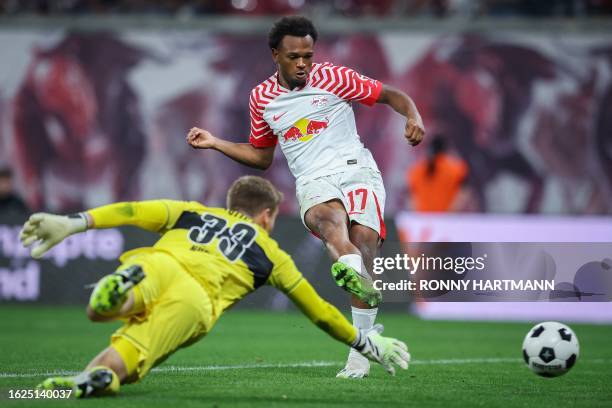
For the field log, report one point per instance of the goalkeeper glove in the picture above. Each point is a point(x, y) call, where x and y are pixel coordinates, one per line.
point(49, 230)
point(384, 350)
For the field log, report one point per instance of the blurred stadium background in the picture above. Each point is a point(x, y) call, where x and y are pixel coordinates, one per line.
point(96, 98)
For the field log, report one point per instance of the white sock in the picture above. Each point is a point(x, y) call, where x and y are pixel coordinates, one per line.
point(363, 318)
point(352, 260)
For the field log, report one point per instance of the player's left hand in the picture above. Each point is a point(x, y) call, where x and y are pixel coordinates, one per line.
point(415, 131)
point(386, 351)
point(48, 230)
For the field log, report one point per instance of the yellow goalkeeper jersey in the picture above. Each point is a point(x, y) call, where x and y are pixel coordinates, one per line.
point(224, 250)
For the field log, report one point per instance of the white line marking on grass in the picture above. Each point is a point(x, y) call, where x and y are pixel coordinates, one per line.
point(38, 374)
point(170, 369)
point(466, 361)
point(307, 364)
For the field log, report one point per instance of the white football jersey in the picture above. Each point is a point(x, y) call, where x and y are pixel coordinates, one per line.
point(315, 124)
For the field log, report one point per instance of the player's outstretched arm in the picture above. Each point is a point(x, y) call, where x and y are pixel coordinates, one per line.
point(244, 153)
point(384, 350)
point(43, 231)
point(404, 105)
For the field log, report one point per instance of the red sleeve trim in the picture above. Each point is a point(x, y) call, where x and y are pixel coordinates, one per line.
point(373, 97)
point(264, 141)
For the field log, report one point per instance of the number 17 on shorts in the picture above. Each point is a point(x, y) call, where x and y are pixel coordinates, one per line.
point(365, 206)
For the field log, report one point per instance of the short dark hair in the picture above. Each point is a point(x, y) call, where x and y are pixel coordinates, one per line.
point(251, 194)
point(297, 26)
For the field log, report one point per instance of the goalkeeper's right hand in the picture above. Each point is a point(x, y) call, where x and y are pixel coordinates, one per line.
point(49, 230)
point(384, 350)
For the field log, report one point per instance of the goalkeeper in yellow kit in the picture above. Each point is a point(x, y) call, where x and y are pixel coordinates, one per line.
point(171, 294)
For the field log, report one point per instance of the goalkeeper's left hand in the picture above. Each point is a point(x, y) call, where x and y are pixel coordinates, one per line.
point(384, 350)
point(49, 230)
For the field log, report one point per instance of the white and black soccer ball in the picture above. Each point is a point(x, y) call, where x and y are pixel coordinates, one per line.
point(550, 349)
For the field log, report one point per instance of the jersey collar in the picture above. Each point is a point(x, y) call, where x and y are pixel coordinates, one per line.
point(282, 88)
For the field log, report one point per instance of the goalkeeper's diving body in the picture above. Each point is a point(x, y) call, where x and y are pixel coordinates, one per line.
point(171, 294)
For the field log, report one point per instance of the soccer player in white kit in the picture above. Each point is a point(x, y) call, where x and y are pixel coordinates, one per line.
point(305, 107)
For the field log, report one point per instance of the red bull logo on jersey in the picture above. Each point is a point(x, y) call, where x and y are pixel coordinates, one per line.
point(305, 129)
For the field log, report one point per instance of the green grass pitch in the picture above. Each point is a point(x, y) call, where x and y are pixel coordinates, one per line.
point(268, 359)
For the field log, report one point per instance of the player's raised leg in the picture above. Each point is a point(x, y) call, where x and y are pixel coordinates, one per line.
point(329, 221)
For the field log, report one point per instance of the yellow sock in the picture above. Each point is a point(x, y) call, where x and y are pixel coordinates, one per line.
point(130, 356)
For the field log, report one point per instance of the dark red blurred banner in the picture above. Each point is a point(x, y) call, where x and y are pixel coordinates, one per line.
point(89, 118)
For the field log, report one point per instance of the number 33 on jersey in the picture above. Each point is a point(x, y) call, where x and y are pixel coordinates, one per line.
point(203, 239)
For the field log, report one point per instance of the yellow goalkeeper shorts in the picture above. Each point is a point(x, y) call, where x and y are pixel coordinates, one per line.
point(178, 310)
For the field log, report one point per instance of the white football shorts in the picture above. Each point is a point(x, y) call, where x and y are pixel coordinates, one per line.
point(360, 190)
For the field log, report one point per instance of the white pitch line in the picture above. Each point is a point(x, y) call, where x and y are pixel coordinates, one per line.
point(466, 361)
point(170, 369)
point(308, 364)
point(38, 374)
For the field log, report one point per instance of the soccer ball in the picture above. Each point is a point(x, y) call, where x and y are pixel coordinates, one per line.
point(550, 349)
